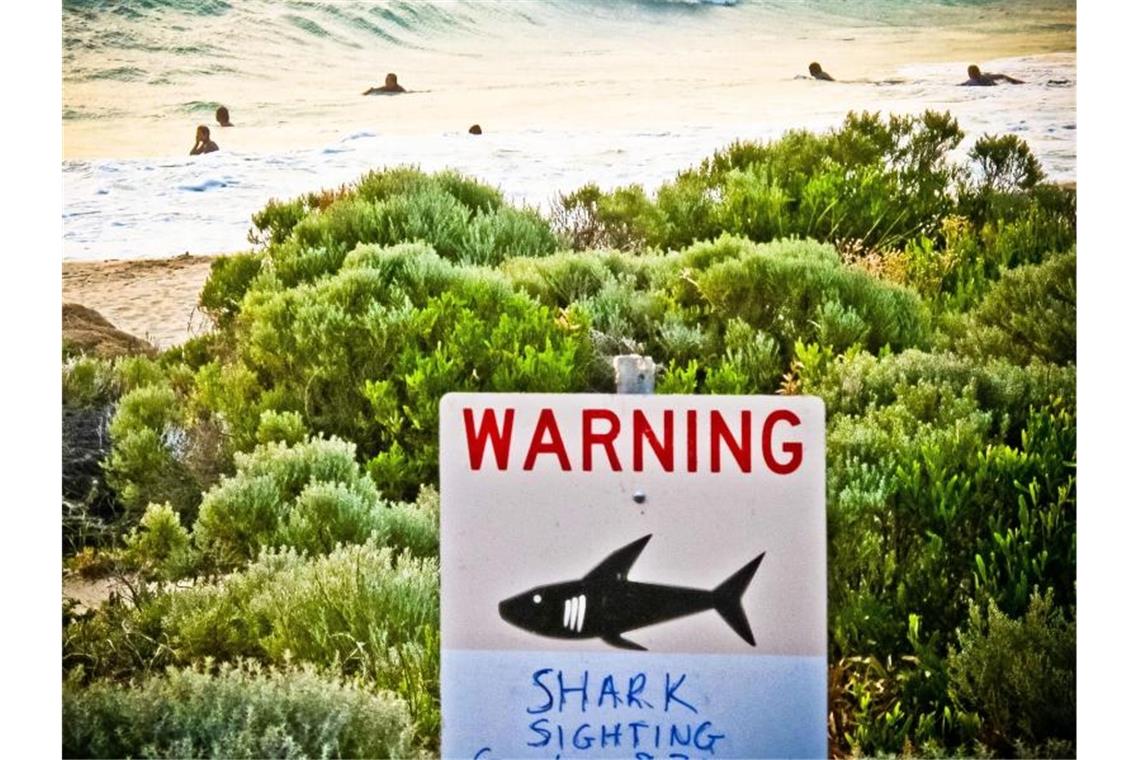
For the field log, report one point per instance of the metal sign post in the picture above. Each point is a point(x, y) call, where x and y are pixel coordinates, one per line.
point(633, 576)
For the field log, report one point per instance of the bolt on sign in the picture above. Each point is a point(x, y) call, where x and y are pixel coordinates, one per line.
point(629, 576)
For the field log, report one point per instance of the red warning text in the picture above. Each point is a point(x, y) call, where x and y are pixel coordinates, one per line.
point(685, 440)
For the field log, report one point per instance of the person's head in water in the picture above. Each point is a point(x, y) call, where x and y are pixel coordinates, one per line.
point(223, 116)
point(817, 72)
point(391, 84)
point(978, 78)
point(202, 141)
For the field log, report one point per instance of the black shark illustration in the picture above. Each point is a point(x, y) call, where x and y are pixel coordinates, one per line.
point(605, 604)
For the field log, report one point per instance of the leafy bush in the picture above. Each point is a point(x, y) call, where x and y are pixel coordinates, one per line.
point(275, 222)
point(1006, 163)
point(1031, 313)
point(360, 609)
point(799, 288)
point(305, 239)
point(588, 218)
point(92, 382)
point(949, 512)
point(368, 352)
point(872, 181)
point(149, 451)
point(160, 546)
point(285, 427)
point(240, 711)
point(855, 384)
point(561, 279)
point(1021, 675)
point(88, 381)
point(310, 496)
point(230, 277)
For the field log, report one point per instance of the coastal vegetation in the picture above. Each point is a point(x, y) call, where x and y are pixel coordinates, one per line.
point(265, 493)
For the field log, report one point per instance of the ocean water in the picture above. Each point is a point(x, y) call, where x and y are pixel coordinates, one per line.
point(566, 91)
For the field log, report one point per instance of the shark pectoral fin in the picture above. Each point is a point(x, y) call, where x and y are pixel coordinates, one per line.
point(617, 565)
point(616, 640)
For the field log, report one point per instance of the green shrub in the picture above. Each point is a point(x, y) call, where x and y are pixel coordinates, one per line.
point(311, 496)
point(783, 289)
point(1020, 674)
point(1031, 313)
point(285, 427)
point(857, 383)
point(839, 326)
point(751, 364)
point(88, 382)
point(275, 222)
point(92, 382)
point(561, 279)
point(621, 220)
point(925, 510)
point(230, 277)
point(1006, 163)
point(366, 354)
point(872, 182)
point(306, 239)
point(473, 194)
point(491, 238)
point(149, 450)
point(239, 711)
point(1021, 227)
point(160, 546)
point(412, 525)
point(363, 610)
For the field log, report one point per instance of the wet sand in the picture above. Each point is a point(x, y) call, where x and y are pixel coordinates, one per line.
point(153, 299)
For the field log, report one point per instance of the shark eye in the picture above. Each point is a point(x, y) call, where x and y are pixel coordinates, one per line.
point(537, 598)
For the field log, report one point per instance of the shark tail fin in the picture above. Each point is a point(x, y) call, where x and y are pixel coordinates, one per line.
point(729, 596)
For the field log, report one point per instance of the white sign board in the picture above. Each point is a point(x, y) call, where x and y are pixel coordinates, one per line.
point(633, 576)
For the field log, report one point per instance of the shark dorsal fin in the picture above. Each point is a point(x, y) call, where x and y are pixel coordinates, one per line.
point(617, 565)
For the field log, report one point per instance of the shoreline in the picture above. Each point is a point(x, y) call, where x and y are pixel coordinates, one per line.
point(154, 299)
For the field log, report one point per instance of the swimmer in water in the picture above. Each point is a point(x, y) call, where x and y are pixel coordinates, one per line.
point(391, 86)
point(817, 72)
point(202, 142)
point(978, 79)
point(223, 116)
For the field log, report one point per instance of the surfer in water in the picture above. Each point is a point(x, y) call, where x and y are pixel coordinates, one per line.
point(202, 142)
point(817, 72)
point(391, 87)
point(978, 79)
point(223, 116)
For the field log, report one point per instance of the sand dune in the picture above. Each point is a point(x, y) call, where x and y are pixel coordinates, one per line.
point(154, 299)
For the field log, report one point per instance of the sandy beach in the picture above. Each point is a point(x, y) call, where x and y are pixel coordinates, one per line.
point(153, 299)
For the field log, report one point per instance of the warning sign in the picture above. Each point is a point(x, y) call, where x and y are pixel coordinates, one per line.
point(633, 576)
